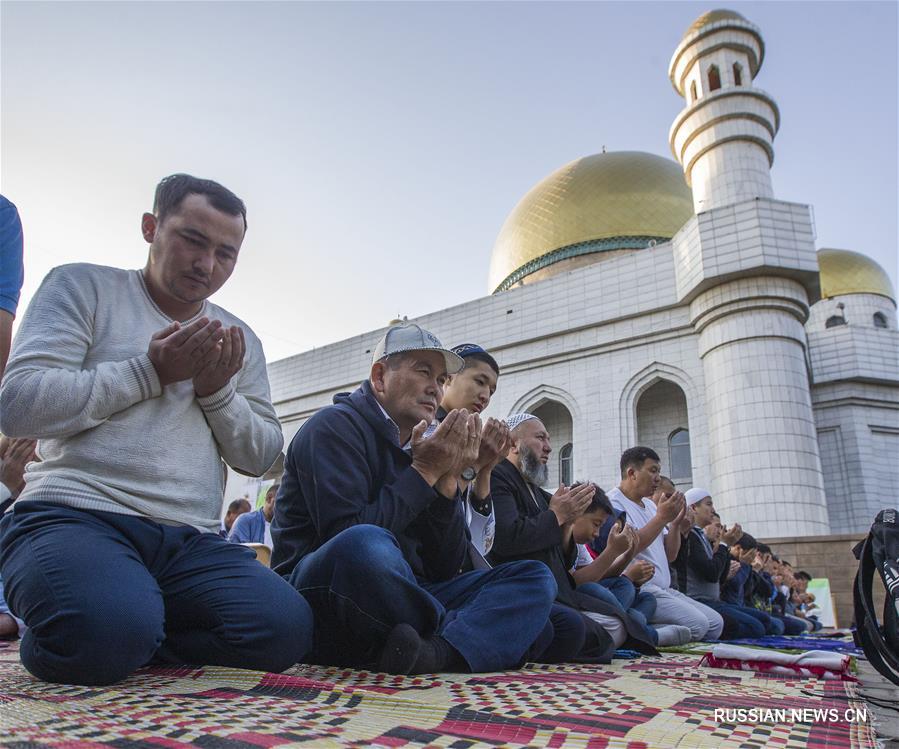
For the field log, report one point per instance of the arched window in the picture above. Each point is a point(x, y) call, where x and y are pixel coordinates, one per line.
point(835, 320)
point(738, 74)
point(679, 459)
point(693, 96)
point(714, 78)
point(566, 469)
point(880, 320)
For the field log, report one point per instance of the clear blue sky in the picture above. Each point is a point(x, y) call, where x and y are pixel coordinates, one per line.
point(380, 146)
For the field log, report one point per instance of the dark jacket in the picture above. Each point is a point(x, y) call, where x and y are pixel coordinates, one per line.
point(527, 529)
point(703, 573)
point(734, 590)
point(345, 467)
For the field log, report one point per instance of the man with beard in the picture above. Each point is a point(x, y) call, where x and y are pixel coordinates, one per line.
point(531, 524)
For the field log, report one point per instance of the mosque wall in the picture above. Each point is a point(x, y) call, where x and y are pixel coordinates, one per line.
point(858, 434)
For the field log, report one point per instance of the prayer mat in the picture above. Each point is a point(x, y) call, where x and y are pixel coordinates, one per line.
point(802, 642)
point(665, 701)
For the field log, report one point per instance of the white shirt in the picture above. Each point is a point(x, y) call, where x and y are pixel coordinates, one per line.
point(267, 538)
point(583, 557)
point(638, 517)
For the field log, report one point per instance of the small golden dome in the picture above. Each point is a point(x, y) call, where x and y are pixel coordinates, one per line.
point(711, 16)
point(845, 272)
point(607, 201)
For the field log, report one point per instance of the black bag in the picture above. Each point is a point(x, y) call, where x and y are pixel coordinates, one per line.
point(879, 551)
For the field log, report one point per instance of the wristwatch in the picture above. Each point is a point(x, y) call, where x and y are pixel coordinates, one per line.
point(468, 474)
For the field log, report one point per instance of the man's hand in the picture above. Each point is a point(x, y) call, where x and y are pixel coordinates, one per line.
point(448, 484)
point(748, 556)
point(495, 445)
point(732, 535)
point(222, 363)
point(733, 569)
point(633, 540)
point(440, 453)
point(619, 541)
point(668, 508)
point(639, 571)
point(685, 523)
point(569, 504)
point(14, 455)
point(178, 353)
point(472, 447)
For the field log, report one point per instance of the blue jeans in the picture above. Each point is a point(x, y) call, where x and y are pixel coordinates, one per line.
point(360, 587)
point(103, 594)
point(793, 625)
point(620, 592)
point(739, 622)
point(772, 625)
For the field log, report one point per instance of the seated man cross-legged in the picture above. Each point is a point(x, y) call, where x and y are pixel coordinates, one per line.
point(658, 518)
point(137, 389)
point(708, 566)
point(472, 389)
point(369, 527)
point(531, 524)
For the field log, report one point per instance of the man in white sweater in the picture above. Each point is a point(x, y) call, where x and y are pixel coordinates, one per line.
point(137, 389)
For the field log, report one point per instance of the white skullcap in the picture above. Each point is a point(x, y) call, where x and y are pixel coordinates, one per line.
point(515, 419)
point(695, 495)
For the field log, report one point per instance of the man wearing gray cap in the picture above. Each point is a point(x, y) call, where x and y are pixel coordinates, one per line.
point(368, 524)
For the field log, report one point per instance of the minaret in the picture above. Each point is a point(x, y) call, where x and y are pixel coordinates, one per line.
point(725, 137)
point(746, 265)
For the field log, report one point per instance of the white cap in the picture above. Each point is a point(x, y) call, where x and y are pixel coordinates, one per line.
point(695, 495)
point(412, 337)
point(515, 419)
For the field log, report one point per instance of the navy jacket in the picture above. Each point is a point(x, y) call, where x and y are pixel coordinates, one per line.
point(733, 591)
point(345, 467)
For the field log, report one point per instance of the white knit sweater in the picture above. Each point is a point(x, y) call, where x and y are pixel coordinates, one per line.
point(111, 438)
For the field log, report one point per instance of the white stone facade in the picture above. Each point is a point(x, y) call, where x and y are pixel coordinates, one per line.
point(792, 422)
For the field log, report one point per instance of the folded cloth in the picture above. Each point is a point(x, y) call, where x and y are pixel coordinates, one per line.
point(812, 663)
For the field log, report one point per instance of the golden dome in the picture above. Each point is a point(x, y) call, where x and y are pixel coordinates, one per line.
point(711, 16)
point(607, 201)
point(845, 272)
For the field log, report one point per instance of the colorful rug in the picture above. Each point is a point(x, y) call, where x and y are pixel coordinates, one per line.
point(651, 702)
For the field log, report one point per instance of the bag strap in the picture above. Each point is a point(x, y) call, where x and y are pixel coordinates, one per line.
point(875, 648)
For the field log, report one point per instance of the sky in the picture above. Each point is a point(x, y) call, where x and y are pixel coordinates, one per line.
point(380, 146)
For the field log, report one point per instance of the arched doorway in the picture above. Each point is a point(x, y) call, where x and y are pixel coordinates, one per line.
point(557, 420)
point(662, 424)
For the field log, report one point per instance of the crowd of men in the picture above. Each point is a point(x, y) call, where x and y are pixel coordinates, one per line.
point(408, 533)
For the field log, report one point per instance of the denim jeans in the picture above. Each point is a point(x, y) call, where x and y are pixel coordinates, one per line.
point(620, 592)
point(103, 594)
point(739, 623)
point(360, 587)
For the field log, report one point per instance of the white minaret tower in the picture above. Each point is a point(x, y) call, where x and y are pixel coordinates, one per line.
point(724, 138)
point(746, 265)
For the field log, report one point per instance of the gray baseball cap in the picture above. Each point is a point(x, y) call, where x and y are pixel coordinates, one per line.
point(412, 337)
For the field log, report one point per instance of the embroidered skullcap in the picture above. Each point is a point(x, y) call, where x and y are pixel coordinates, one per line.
point(515, 419)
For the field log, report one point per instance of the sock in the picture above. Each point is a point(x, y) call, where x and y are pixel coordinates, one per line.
point(401, 652)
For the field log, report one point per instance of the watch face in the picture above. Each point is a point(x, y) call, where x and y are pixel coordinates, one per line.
point(469, 473)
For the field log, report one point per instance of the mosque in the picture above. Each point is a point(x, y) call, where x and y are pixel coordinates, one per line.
point(636, 299)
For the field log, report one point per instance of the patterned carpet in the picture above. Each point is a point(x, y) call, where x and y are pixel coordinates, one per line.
point(650, 702)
